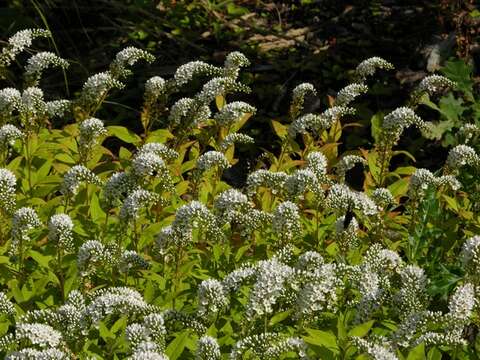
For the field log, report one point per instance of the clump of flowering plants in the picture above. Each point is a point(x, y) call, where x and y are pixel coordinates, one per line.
point(148, 253)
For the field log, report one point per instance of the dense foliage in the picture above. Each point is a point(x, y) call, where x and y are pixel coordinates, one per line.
point(161, 246)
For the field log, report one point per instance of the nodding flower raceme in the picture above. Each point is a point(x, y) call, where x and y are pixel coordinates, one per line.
point(212, 159)
point(19, 42)
point(60, 231)
point(75, 176)
point(207, 349)
point(233, 112)
point(346, 95)
point(41, 61)
point(8, 183)
point(369, 66)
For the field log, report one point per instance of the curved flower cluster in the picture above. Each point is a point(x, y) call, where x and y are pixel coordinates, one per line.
point(194, 215)
point(462, 155)
point(212, 297)
point(185, 73)
point(382, 197)
point(207, 349)
point(318, 288)
point(433, 84)
point(135, 201)
point(96, 88)
point(375, 351)
point(75, 176)
point(233, 112)
point(118, 187)
point(128, 57)
point(422, 179)
point(233, 62)
point(470, 256)
point(154, 88)
point(235, 138)
point(41, 61)
point(397, 121)
point(38, 334)
point(18, 42)
point(317, 162)
point(231, 203)
point(6, 307)
point(318, 123)
point(346, 95)
point(271, 278)
point(301, 181)
point(298, 97)
point(189, 109)
point(132, 261)
point(58, 108)
point(159, 149)
point(60, 232)
point(412, 296)
point(116, 300)
point(8, 183)
point(24, 220)
point(369, 66)
point(346, 234)
point(275, 181)
point(468, 132)
point(90, 130)
point(92, 255)
point(148, 164)
point(286, 221)
point(10, 100)
point(341, 198)
point(219, 86)
point(347, 163)
point(212, 159)
point(8, 135)
point(33, 107)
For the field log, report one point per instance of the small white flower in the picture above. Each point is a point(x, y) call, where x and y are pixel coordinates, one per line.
point(8, 183)
point(369, 66)
point(60, 232)
point(212, 159)
point(41, 61)
point(75, 176)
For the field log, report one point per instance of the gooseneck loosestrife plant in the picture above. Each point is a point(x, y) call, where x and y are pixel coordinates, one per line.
point(149, 254)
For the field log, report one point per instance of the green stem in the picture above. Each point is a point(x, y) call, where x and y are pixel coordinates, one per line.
point(29, 161)
point(60, 273)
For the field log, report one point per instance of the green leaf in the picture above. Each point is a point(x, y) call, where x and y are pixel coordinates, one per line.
point(280, 129)
point(95, 209)
point(460, 72)
point(434, 354)
point(220, 102)
point(160, 135)
point(42, 260)
point(124, 134)
point(399, 187)
point(65, 158)
point(417, 353)
point(376, 128)
point(322, 338)
point(176, 347)
point(277, 318)
point(362, 329)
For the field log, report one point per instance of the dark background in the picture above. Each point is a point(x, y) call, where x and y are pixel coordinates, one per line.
point(288, 42)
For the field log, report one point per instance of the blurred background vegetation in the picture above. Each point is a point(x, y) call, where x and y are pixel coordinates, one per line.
point(288, 42)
